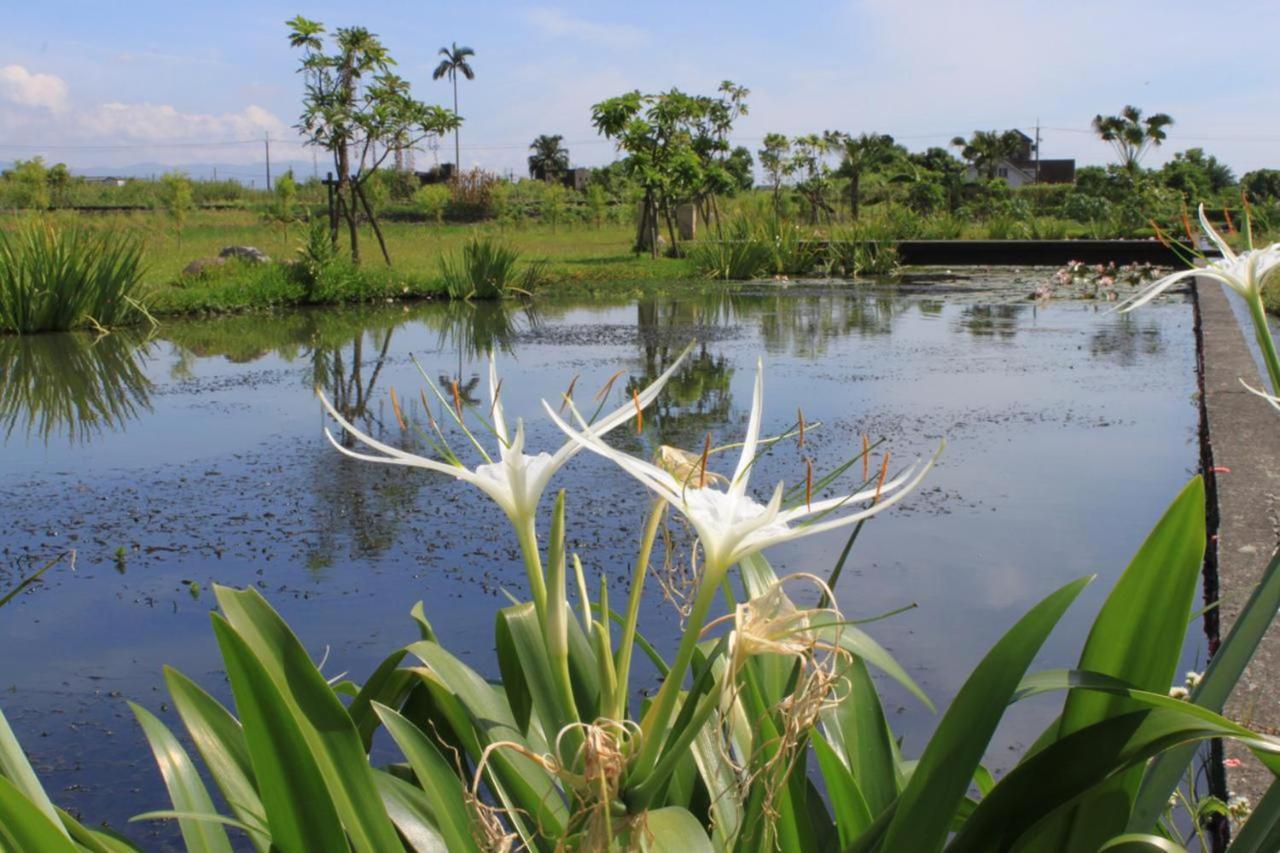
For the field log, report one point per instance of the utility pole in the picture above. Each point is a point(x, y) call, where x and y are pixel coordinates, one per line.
point(215, 174)
point(1037, 149)
point(266, 142)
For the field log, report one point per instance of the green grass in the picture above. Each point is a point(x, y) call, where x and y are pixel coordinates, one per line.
point(579, 259)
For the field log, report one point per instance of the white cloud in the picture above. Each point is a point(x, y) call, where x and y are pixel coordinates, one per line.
point(36, 110)
point(19, 86)
point(558, 24)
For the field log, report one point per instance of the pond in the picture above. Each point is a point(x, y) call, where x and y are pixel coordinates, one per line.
point(196, 456)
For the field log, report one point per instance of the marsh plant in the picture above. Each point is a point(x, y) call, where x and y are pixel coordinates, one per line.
point(486, 268)
point(55, 277)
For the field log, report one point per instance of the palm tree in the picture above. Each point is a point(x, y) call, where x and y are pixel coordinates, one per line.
point(863, 154)
point(455, 61)
point(986, 148)
point(1132, 135)
point(549, 159)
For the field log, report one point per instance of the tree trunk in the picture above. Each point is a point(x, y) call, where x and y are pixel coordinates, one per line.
point(353, 231)
point(854, 181)
point(457, 146)
point(373, 220)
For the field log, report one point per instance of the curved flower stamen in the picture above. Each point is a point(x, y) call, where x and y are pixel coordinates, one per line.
point(1247, 273)
point(729, 523)
point(516, 480)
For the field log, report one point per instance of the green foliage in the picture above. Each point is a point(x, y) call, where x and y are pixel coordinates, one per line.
point(1131, 134)
point(176, 198)
point(357, 109)
point(743, 253)
point(54, 278)
point(488, 269)
point(549, 160)
point(431, 200)
point(27, 184)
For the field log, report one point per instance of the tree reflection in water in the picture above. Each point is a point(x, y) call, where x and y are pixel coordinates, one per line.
point(73, 383)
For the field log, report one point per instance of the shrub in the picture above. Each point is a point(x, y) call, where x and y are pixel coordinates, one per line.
point(431, 200)
point(470, 194)
point(488, 269)
point(54, 278)
point(743, 254)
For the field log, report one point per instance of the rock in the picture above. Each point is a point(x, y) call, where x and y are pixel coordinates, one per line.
point(200, 266)
point(245, 253)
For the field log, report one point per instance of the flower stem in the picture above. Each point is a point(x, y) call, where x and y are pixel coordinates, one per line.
point(628, 639)
point(656, 721)
point(527, 536)
point(1262, 331)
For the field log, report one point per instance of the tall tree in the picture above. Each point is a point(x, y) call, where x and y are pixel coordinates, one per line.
point(355, 108)
point(549, 160)
point(672, 153)
point(453, 64)
point(809, 161)
point(1131, 135)
point(774, 160)
point(986, 148)
point(862, 154)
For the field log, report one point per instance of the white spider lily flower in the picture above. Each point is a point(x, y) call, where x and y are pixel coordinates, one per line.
point(1247, 273)
point(516, 480)
point(730, 524)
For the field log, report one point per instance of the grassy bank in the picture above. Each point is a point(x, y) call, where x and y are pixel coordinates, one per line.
point(578, 257)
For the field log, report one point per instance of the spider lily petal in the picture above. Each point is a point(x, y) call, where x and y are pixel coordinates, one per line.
point(516, 480)
point(730, 524)
point(1270, 398)
point(1247, 273)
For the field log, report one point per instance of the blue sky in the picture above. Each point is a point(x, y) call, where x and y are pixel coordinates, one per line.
point(160, 80)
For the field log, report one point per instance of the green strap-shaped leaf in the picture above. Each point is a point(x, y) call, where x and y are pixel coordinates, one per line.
point(851, 813)
point(322, 719)
point(186, 790)
point(673, 830)
point(1078, 764)
point(1137, 637)
point(1223, 673)
point(922, 817)
point(411, 813)
point(480, 715)
point(389, 685)
point(25, 826)
point(15, 767)
point(299, 811)
point(858, 732)
point(438, 780)
point(220, 740)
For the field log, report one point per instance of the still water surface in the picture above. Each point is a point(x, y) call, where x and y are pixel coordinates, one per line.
point(197, 456)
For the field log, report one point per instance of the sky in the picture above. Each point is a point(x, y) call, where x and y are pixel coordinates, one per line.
point(179, 82)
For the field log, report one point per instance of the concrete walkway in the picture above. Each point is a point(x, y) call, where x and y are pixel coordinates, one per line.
point(1241, 438)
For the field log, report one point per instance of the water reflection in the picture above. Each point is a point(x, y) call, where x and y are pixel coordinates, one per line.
point(991, 321)
point(1127, 340)
point(74, 384)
